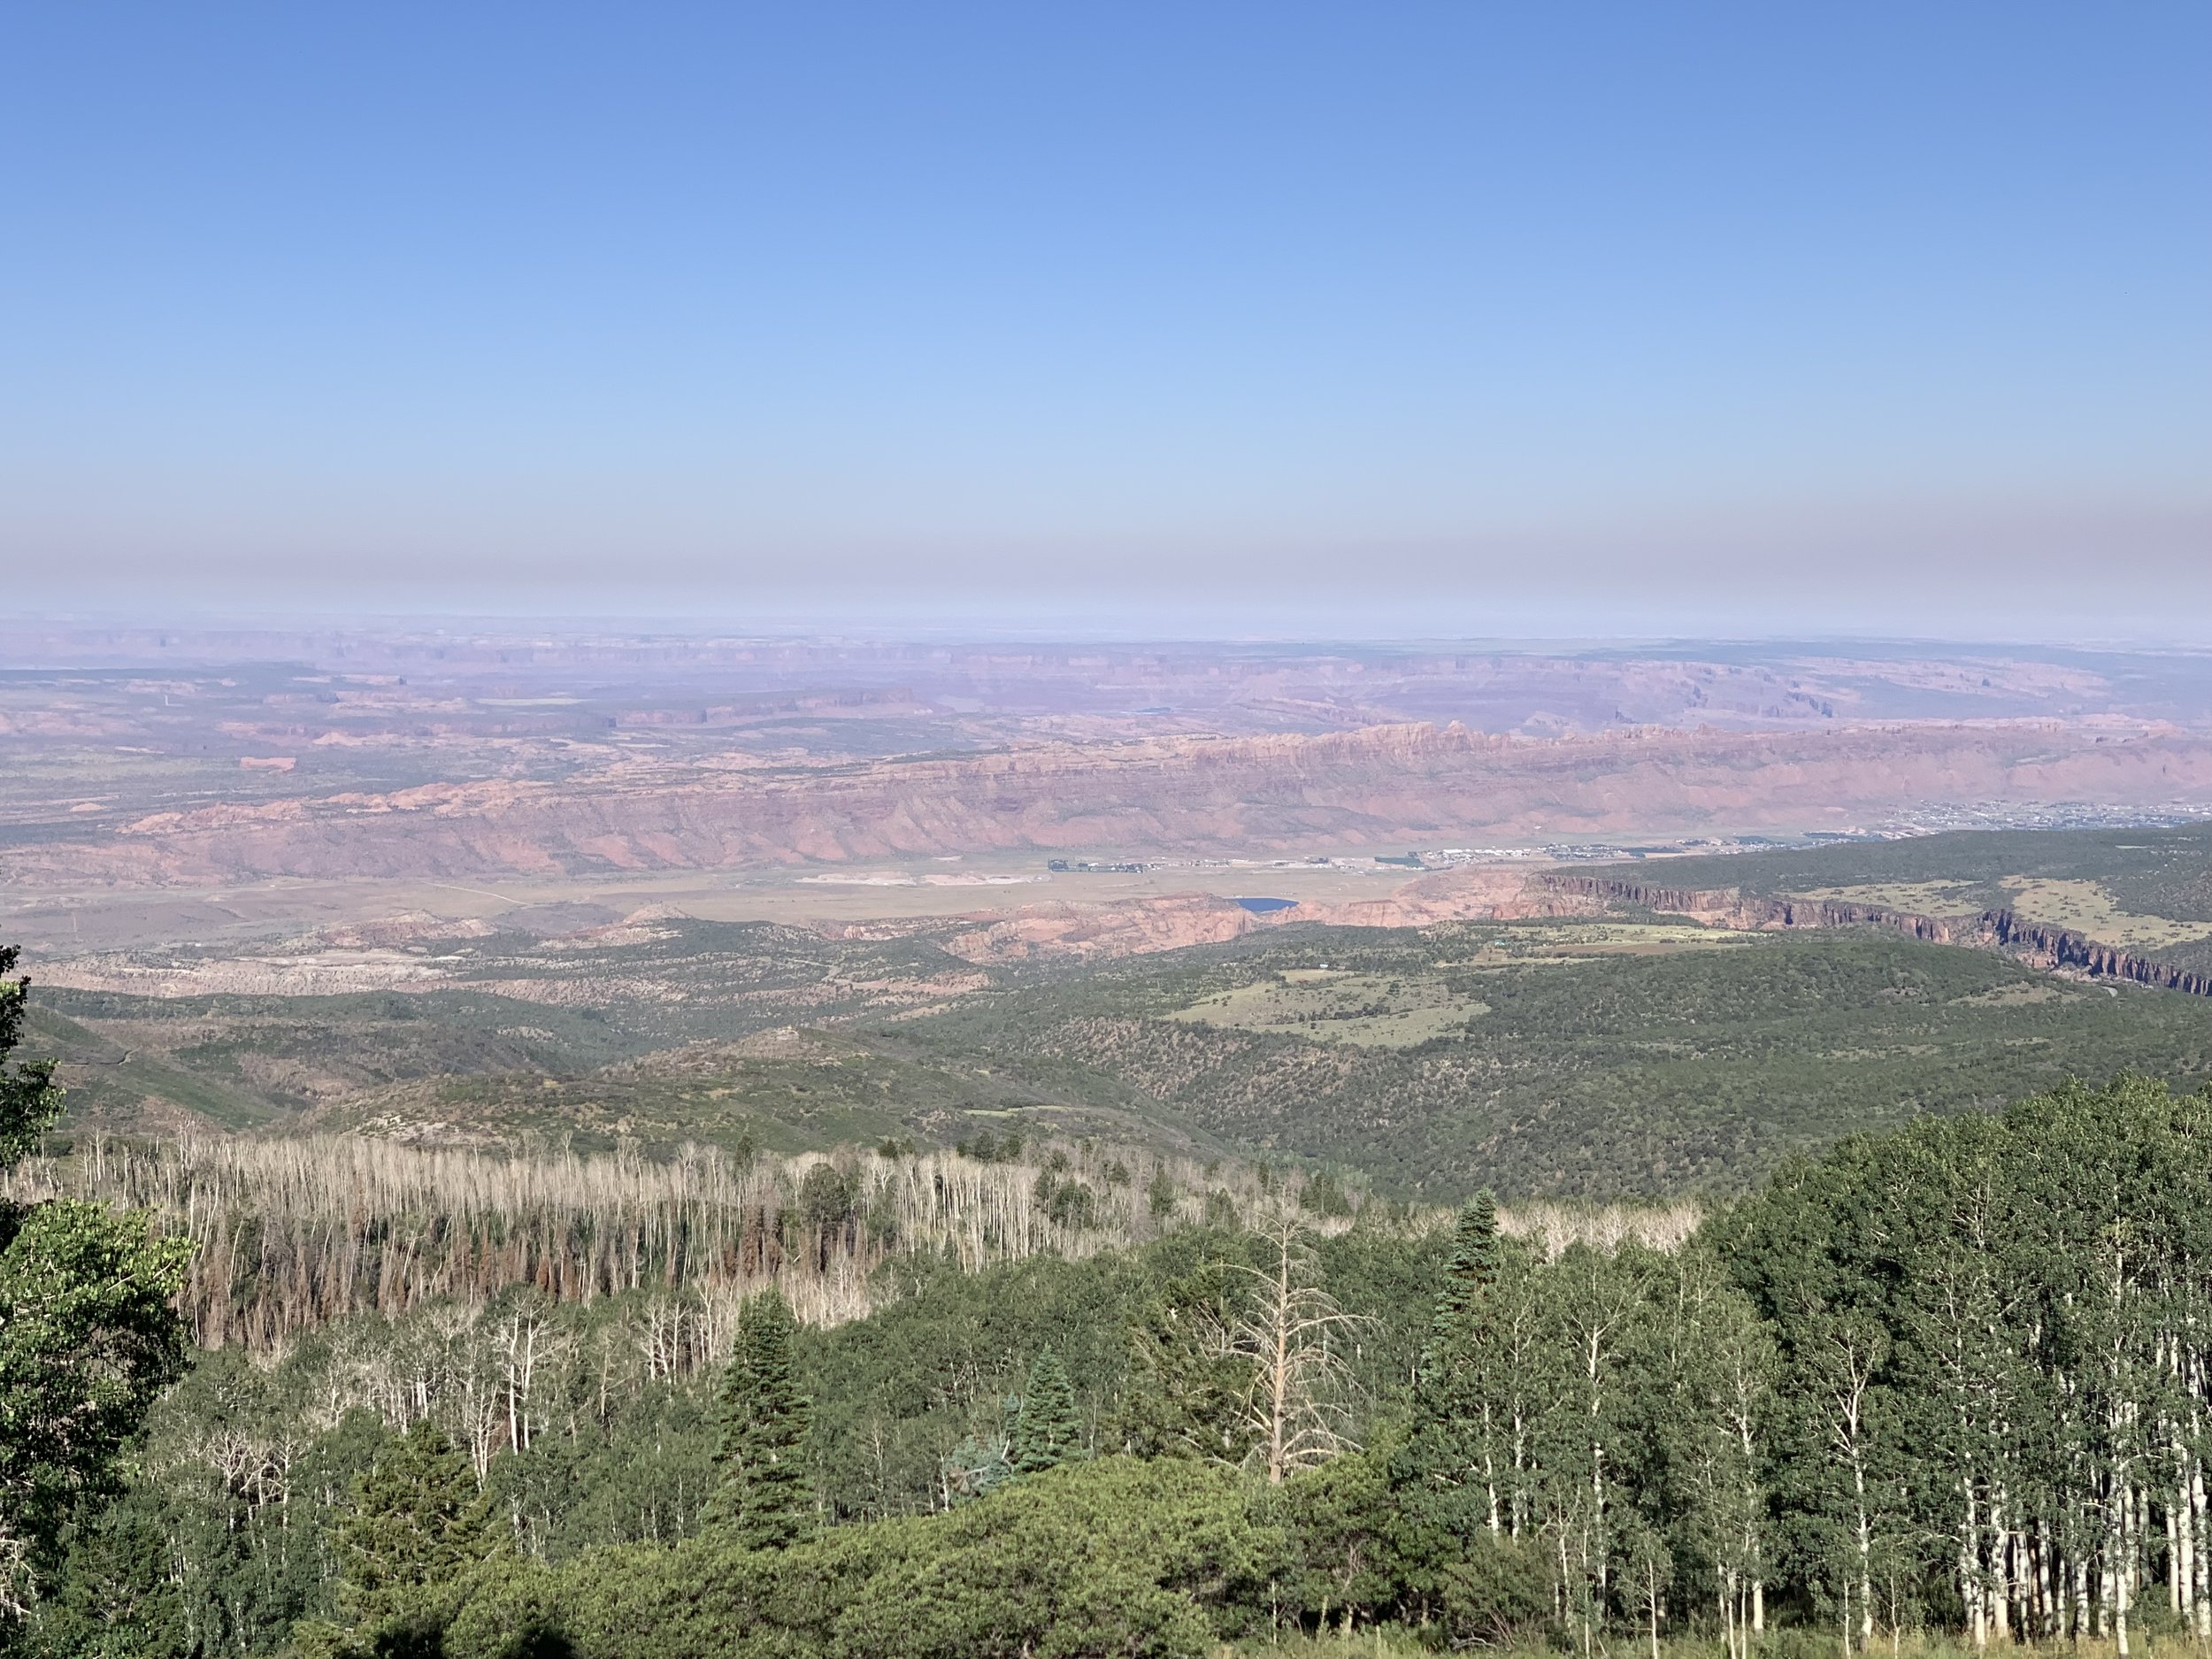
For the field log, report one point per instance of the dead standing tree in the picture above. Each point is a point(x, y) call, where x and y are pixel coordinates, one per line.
point(1294, 1335)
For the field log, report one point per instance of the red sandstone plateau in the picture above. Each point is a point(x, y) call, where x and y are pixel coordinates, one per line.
point(1061, 930)
point(1380, 785)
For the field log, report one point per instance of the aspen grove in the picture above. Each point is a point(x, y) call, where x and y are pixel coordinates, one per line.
point(1953, 1378)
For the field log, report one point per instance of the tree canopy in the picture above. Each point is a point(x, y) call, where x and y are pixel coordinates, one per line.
point(764, 1419)
point(88, 1338)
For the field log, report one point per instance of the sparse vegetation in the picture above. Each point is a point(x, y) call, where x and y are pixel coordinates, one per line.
point(1588, 1071)
point(2155, 885)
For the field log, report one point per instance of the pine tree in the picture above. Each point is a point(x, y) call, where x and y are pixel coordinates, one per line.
point(1451, 1480)
point(418, 1524)
point(1474, 1265)
point(1187, 1385)
point(119, 1593)
point(1468, 1275)
point(1160, 1196)
point(1048, 1430)
point(764, 1420)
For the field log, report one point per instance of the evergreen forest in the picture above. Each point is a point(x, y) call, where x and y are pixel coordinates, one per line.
point(1943, 1382)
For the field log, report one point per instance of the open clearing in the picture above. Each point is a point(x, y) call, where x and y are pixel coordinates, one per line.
point(1371, 1010)
point(1383, 1010)
point(1594, 939)
point(1915, 898)
point(2087, 907)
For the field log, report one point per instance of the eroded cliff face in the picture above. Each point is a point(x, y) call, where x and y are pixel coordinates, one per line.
point(2039, 944)
point(1377, 785)
point(1139, 926)
point(1081, 933)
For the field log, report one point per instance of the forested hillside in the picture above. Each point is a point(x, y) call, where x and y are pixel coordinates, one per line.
point(1569, 1058)
point(1625, 1056)
point(1949, 1376)
point(2163, 871)
point(1599, 1055)
point(2146, 888)
point(782, 1295)
point(288, 1236)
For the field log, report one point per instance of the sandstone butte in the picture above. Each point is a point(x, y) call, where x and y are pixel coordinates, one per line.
point(1380, 786)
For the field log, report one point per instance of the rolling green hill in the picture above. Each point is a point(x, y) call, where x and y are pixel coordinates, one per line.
point(1596, 1074)
point(241, 1061)
point(1592, 1056)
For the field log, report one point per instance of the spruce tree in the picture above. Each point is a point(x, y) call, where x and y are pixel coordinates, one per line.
point(418, 1524)
point(1474, 1265)
point(764, 1420)
point(1443, 1471)
point(1470, 1272)
point(1048, 1430)
point(119, 1593)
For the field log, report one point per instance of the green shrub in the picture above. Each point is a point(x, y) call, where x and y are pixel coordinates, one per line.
point(1116, 1556)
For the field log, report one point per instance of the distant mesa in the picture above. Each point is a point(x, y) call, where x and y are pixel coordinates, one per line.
point(1262, 907)
point(1142, 801)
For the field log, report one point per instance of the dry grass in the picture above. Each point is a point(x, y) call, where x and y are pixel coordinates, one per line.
point(2086, 907)
point(1371, 1010)
point(1554, 1226)
point(1914, 898)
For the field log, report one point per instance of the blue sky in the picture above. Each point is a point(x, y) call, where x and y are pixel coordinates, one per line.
point(1640, 318)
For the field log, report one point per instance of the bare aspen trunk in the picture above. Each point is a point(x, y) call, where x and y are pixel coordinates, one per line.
point(2174, 1574)
point(2200, 1589)
point(2121, 1570)
point(1520, 1463)
point(1490, 1466)
point(2183, 1564)
point(2045, 1619)
point(1970, 1568)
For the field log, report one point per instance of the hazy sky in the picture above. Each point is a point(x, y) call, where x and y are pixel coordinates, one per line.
point(1465, 316)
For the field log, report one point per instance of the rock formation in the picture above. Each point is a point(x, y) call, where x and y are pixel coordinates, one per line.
point(2039, 944)
point(1380, 786)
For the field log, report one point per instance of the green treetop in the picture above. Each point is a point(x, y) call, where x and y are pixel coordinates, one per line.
point(88, 1338)
point(1474, 1264)
point(30, 1102)
point(764, 1420)
point(1468, 1276)
point(1047, 1431)
point(417, 1526)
